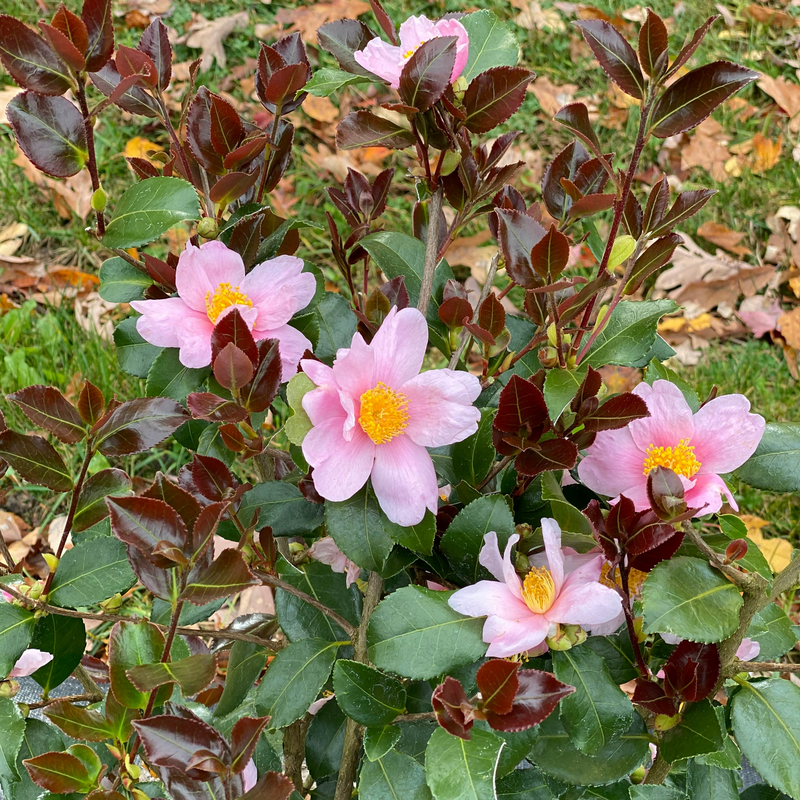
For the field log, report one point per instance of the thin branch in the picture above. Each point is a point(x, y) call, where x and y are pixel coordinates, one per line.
point(497, 467)
point(431, 250)
point(91, 161)
point(659, 771)
point(764, 666)
point(71, 698)
point(423, 716)
point(736, 577)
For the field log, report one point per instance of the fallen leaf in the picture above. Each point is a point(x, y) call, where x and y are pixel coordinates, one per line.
point(137, 20)
point(96, 316)
point(153, 8)
point(7, 94)
point(307, 19)
point(468, 251)
point(778, 552)
point(68, 195)
point(621, 99)
point(790, 356)
point(724, 237)
point(707, 149)
point(786, 94)
point(320, 109)
point(620, 379)
point(12, 527)
point(687, 354)
point(759, 154)
point(789, 326)
point(773, 17)
point(759, 314)
point(138, 147)
point(550, 96)
point(209, 35)
point(533, 17)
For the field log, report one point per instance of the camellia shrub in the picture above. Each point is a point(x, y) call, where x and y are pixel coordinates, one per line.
point(472, 545)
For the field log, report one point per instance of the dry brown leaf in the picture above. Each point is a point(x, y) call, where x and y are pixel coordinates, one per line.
point(766, 153)
point(620, 99)
point(139, 147)
point(533, 17)
point(707, 149)
point(69, 195)
point(12, 527)
point(778, 552)
point(96, 316)
point(7, 94)
point(620, 379)
point(773, 17)
point(790, 356)
point(209, 35)
point(786, 95)
point(136, 19)
point(550, 96)
point(760, 314)
point(468, 251)
point(789, 326)
point(307, 19)
point(723, 237)
point(320, 109)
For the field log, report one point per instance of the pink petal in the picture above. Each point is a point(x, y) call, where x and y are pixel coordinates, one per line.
point(399, 347)
point(510, 576)
point(490, 556)
point(194, 340)
point(404, 481)
point(383, 60)
point(670, 417)
point(291, 346)
point(353, 571)
point(726, 434)
point(706, 495)
point(278, 288)
point(440, 410)
point(511, 638)
point(341, 468)
point(29, 662)
point(585, 604)
point(323, 404)
point(314, 708)
point(587, 572)
point(613, 463)
point(414, 31)
point(354, 368)
point(250, 775)
point(748, 650)
point(202, 269)
point(489, 598)
point(452, 27)
point(607, 628)
point(551, 534)
point(321, 374)
point(326, 552)
point(161, 320)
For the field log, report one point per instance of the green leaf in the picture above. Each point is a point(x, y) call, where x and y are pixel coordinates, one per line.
point(517, 746)
point(462, 770)
point(524, 784)
point(629, 333)
point(685, 597)
point(91, 572)
point(554, 754)
point(366, 695)
point(765, 717)
point(39, 737)
point(491, 43)
point(575, 528)
point(298, 619)
point(464, 537)
point(732, 528)
point(337, 324)
point(121, 282)
point(697, 733)
point(560, 386)
point(598, 711)
point(281, 506)
point(16, 630)
point(324, 82)
point(65, 638)
point(325, 741)
point(414, 633)
point(150, 208)
point(473, 457)
point(12, 729)
point(656, 793)
point(762, 792)
point(704, 782)
point(393, 776)
point(775, 465)
point(772, 629)
point(616, 652)
point(418, 538)
point(131, 645)
point(298, 424)
point(167, 377)
point(211, 444)
point(358, 528)
point(134, 354)
point(379, 741)
point(245, 663)
point(192, 674)
point(294, 679)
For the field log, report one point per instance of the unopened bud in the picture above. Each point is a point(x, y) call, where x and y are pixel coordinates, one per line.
point(51, 561)
point(664, 722)
point(548, 357)
point(460, 86)
point(99, 200)
point(551, 334)
point(8, 688)
point(112, 604)
point(566, 637)
point(207, 228)
point(115, 751)
point(132, 769)
point(735, 550)
point(638, 775)
point(138, 794)
point(35, 591)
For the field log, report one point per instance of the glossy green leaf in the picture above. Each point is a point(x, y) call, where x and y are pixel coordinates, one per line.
point(560, 386)
point(281, 506)
point(616, 652)
point(134, 354)
point(16, 629)
point(687, 598)
point(524, 784)
point(245, 663)
point(12, 731)
point(473, 457)
point(775, 465)
point(598, 711)
point(337, 324)
point(357, 526)
point(367, 695)
point(294, 679)
point(379, 741)
point(324, 82)
point(656, 793)
point(325, 741)
point(131, 645)
point(149, 209)
point(65, 638)
point(414, 633)
point(697, 733)
point(418, 538)
point(462, 770)
point(167, 377)
point(91, 507)
point(121, 282)
point(773, 631)
point(705, 782)
point(394, 775)
point(576, 531)
point(491, 43)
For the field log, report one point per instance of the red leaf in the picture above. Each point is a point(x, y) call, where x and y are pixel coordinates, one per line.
point(232, 329)
point(538, 695)
point(232, 368)
point(686, 205)
point(138, 425)
point(232, 186)
point(205, 405)
point(226, 127)
point(261, 390)
point(521, 405)
point(59, 773)
point(564, 165)
point(493, 96)
point(454, 310)
point(665, 493)
point(616, 56)
point(365, 129)
point(575, 116)
point(132, 62)
point(212, 478)
point(91, 403)
point(244, 738)
point(492, 315)
point(36, 460)
point(72, 26)
point(549, 455)
point(550, 255)
point(273, 785)
point(653, 45)
point(198, 130)
point(449, 701)
point(63, 47)
point(124, 92)
point(498, 684)
point(227, 575)
point(692, 670)
point(648, 694)
point(30, 59)
point(96, 15)
point(426, 74)
point(47, 407)
point(616, 412)
point(517, 234)
point(155, 44)
point(163, 489)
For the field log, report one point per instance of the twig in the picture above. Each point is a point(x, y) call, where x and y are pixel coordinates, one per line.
point(659, 771)
point(431, 251)
point(734, 575)
point(294, 750)
point(91, 161)
point(71, 698)
point(497, 467)
point(764, 666)
point(93, 692)
point(423, 716)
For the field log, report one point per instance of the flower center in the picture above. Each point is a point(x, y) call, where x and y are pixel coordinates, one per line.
point(539, 590)
point(384, 413)
point(222, 298)
point(680, 459)
point(411, 52)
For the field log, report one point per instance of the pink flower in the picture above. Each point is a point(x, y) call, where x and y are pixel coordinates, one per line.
point(522, 614)
point(719, 438)
point(748, 650)
point(315, 707)
point(387, 61)
point(211, 282)
point(374, 415)
point(326, 552)
point(250, 775)
point(29, 662)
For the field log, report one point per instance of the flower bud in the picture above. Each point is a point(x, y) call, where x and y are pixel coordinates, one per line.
point(459, 87)
point(51, 561)
point(207, 228)
point(132, 769)
point(8, 688)
point(112, 604)
point(99, 200)
point(664, 722)
point(566, 637)
point(548, 357)
point(735, 550)
point(115, 751)
point(551, 334)
point(638, 775)
point(35, 591)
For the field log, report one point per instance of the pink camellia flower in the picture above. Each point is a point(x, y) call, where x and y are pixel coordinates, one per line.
point(250, 775)
point(522, 614)
point(326, 552)
point(719, 438)
point(29, 662)
point(387, 61)
point(374, 414)
point(211, 281)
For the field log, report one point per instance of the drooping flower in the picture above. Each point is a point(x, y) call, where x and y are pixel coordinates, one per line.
point(211, 282)
point(387, 61)
point(374, 414)
point(29, 662)
point(326, 552)
point(521, 614)
point(719, 438)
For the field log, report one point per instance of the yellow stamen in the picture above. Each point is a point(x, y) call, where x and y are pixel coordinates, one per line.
point(680, 459)
point(222, 298)
point(635, 578)
point(383, 414)
point(411, 52)
point(539, 590)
